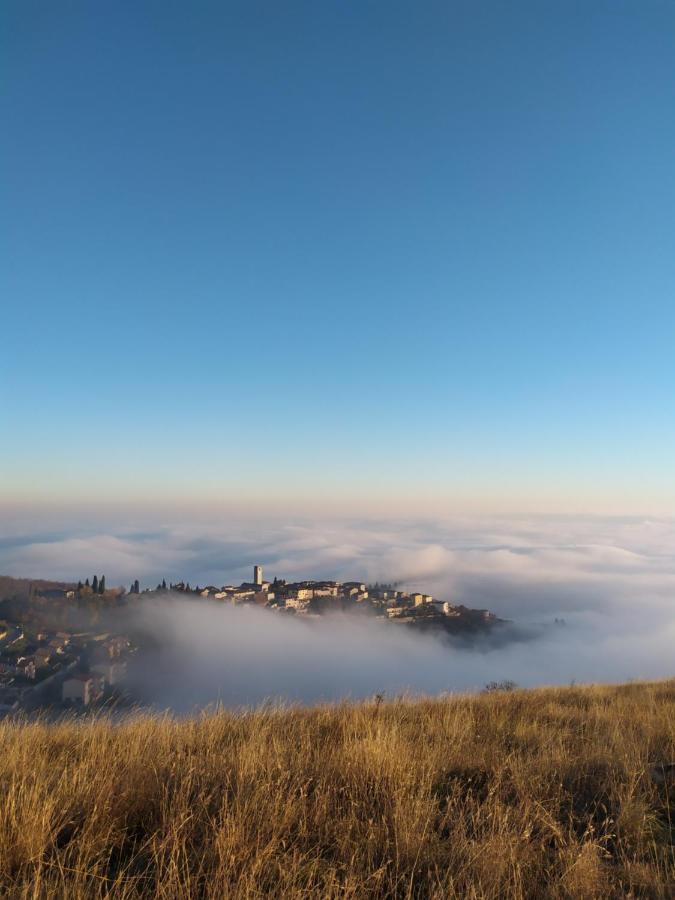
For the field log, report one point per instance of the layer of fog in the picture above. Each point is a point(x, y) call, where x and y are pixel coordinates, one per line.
point(611, 579)
point(208, 653)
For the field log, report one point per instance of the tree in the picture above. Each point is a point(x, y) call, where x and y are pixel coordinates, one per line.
point(101, 586)
point(94, 584)
point(87, 583)
point(79, 585)
point(137, 587)
point(163, 584)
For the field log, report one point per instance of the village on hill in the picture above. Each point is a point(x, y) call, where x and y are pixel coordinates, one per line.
point(67, 646)
point(315, 598)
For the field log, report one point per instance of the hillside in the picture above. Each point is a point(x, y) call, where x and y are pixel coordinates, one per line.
point(20, 588)
point(546, 793)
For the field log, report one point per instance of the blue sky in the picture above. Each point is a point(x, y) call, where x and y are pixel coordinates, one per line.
point(264, 252)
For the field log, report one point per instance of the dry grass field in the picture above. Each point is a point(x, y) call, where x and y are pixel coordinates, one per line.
point(544, 793)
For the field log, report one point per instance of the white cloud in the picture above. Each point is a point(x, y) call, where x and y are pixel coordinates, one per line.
point(613, 579)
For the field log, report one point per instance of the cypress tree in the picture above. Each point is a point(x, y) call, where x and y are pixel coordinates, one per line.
point(101, 586)
point(94, 584)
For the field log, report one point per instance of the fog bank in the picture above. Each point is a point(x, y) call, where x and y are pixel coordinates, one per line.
point(244, 655)
point(611, 579)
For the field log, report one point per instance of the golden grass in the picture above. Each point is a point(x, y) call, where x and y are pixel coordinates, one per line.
point(542, 793)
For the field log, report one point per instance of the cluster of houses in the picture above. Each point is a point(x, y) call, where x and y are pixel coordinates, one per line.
point(26, 657)
point(282, 595)
point(106, 667)
point(310, 598)
point(44, 666)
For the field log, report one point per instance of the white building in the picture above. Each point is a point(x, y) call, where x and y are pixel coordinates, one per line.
point(84, 689)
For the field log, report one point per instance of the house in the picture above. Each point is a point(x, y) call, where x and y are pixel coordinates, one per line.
point(297, 603)
point(395, 611)
point(326, 589)
point(26, 667)
point(450, 610)
point(241, 596)
point(82, 688)
point(382, 594)
point(112, 672)
point(300, 590)
point(417, 599)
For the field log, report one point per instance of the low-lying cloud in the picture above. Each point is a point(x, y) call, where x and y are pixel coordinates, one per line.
point(611, 579)
point(244, 655)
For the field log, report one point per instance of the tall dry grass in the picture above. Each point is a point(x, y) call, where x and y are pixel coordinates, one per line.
point(542, 793)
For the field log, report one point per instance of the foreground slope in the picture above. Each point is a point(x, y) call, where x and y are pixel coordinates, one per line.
point(527, 794)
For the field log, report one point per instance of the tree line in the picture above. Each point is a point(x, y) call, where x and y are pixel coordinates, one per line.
point(97, 585)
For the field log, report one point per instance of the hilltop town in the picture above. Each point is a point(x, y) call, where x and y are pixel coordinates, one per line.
point(316, 598)
point(67, 646)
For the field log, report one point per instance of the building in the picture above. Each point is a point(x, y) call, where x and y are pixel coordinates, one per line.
point(26, 667)
point(112, 672)
point(326, 589)
point(241, 596)
point(258, 575)
point(81, 688)
point(297, 603)
point(349, 586)
point(395, 611)
point(450, 610)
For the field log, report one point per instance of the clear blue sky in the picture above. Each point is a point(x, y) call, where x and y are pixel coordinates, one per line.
point(333, 249)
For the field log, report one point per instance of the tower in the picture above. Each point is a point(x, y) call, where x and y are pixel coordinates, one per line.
point(257, 575)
